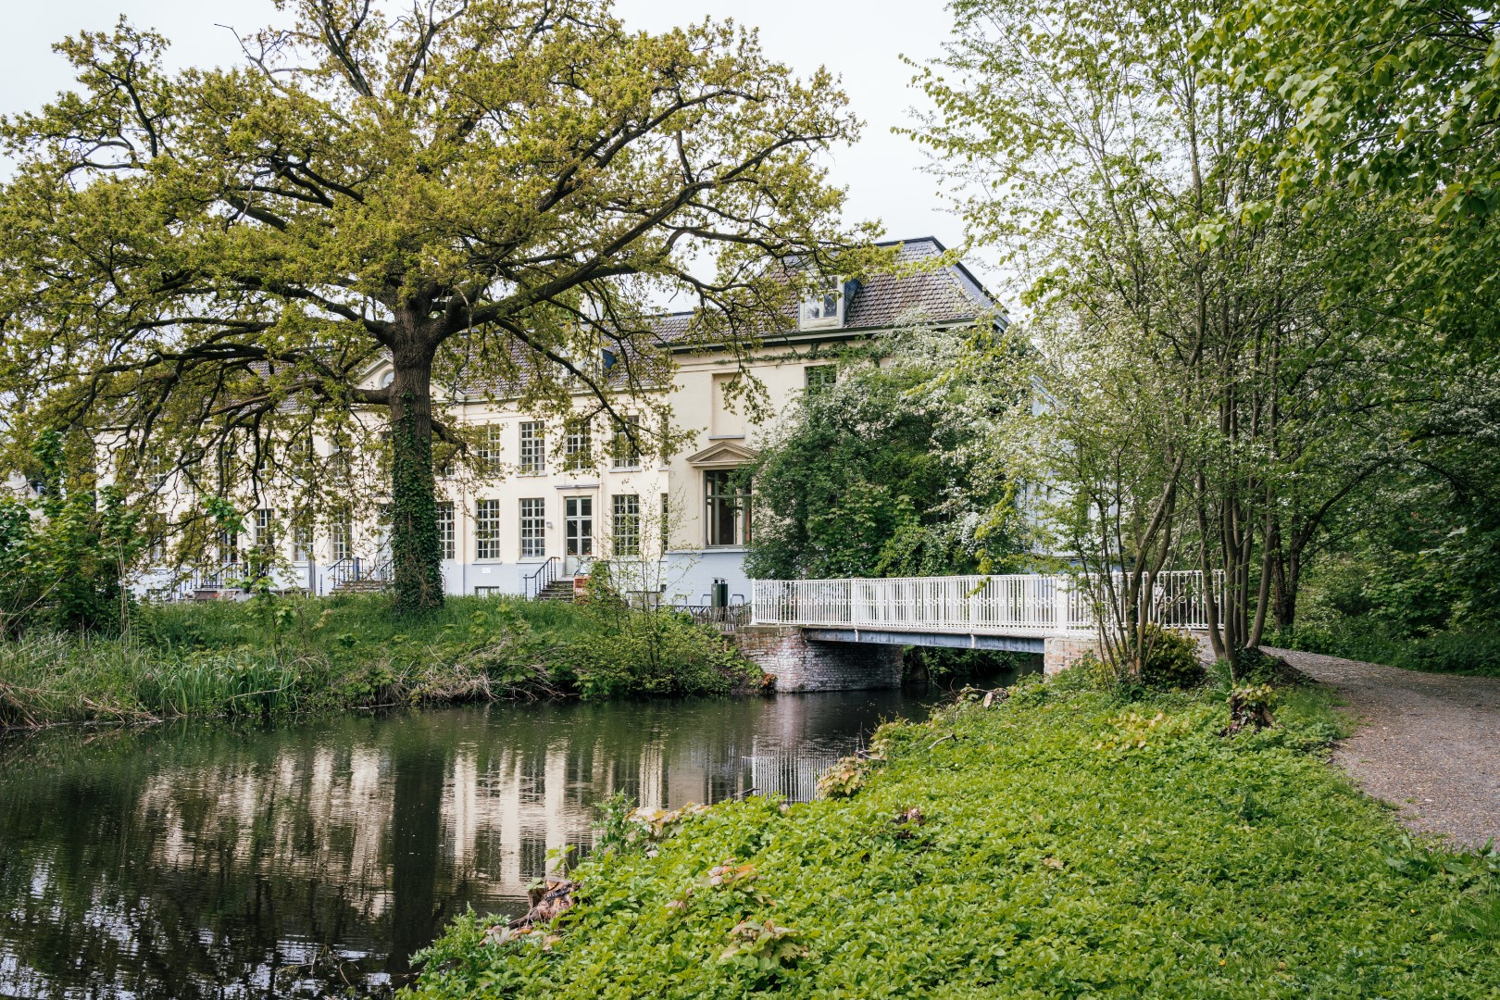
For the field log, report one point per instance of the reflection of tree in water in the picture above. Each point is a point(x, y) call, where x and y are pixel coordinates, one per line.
point(194, 862)
point(416, 816)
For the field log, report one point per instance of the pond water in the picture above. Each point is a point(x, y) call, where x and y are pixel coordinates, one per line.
point(201, 861)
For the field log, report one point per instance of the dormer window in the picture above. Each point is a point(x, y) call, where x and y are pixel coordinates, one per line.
point(825, 306)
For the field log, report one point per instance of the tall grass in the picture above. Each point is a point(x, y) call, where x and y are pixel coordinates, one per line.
point(283, 656)
point(50, 677)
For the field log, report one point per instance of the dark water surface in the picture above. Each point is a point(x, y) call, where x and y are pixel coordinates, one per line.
point(198, 861)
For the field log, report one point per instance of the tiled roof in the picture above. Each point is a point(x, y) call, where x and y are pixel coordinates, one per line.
point(944, 295)
point(947, 295)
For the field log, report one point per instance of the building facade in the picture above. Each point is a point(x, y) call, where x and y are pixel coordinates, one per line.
point(567, 493)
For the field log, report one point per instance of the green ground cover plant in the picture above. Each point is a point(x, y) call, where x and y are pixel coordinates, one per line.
point(277, 656)
point(1067, 842)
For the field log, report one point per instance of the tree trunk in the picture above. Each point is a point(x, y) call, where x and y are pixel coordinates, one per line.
point(1288, 581)
point(416, 554)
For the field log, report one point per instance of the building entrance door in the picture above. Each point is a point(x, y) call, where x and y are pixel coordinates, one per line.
point(578, 532)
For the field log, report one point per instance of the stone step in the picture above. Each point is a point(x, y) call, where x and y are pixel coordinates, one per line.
point(361, 587)
point(557, 590)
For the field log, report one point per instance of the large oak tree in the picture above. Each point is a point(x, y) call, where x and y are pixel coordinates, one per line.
point(480, 192)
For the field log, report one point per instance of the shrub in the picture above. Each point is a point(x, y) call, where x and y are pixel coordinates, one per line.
point(1453, 652)
point(1457, 652)
point(1171, 660)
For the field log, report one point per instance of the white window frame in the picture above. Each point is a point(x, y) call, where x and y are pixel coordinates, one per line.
point(819, 378)
point(447, 537)
point(625, 524)
point(711, 519)
point(487, 530)
point(532, 448)
point(302, 542)
point(533, 525)
point(823, 307)
point(626, 453)
point(578, 526)
point(489, 453)
point(265, 539)
point(341, 537)
point(578, 444)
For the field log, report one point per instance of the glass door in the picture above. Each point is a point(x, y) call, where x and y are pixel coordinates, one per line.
point(578, 526)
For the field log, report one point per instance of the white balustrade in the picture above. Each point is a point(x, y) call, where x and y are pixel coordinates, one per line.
point(1003, 604)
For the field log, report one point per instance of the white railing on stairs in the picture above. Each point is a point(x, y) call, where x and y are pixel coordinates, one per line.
point(1013, 603)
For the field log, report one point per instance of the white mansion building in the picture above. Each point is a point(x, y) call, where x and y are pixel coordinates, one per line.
point(674, 528)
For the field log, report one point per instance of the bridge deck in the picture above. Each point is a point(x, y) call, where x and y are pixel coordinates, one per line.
point(1026, 608)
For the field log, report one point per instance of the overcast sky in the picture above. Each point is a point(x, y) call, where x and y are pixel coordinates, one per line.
point(861, 41)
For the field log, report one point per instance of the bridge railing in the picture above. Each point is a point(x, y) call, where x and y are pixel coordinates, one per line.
point(1021, 602)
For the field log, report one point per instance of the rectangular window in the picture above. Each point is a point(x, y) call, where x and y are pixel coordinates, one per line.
point(579, 526)
point(263, 544)
point(442, 459)
point(666, 522)
point(533, 448)
point(824, 305)
point(726, 493)
point(819, 377)
point(489, 451)
point(626, 529)
point(265, 541)
point(577, 445)
point(341, 537)
point(533, 528)
point(625, 450)
point(229, 547)
point(487, 529)
point(486, 591)
point(302, 542)
point(445, 528)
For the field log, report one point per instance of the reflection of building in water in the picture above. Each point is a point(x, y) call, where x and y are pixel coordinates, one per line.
point(792, 775)
point(503, 811)
point(227, 861)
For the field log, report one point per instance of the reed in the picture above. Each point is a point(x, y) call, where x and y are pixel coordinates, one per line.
point(280, 657)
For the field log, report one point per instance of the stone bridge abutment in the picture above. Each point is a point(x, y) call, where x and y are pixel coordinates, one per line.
point(802, 664)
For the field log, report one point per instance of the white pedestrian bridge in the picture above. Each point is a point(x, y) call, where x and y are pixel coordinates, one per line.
point(1017, 612)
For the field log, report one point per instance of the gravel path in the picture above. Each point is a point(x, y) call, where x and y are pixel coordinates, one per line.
point(1427, 743)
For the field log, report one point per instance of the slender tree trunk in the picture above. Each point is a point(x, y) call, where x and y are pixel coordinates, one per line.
point(1211, 600)
point(416, 555)
point(1288, 580)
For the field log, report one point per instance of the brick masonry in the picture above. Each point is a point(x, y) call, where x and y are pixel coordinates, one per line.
point(802, 665)
point(1061, 652)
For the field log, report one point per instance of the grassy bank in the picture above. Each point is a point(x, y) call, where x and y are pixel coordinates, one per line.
point(1063, 844)
point(284, 656)
point(1475, 652)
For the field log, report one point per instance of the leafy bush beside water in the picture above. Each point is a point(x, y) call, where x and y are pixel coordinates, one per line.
point(1062, 844)
point(276, 656)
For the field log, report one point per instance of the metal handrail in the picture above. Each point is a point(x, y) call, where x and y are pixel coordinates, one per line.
point(727, 616)
point(1001, 603)
point(215, 579)
point(207, 579)
point(546, 574)
point(343, 571)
